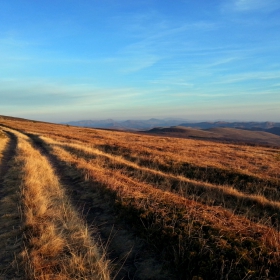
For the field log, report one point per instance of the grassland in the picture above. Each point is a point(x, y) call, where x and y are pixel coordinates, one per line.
point(98, 204)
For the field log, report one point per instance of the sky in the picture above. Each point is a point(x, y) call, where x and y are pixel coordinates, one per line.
point(69, 60)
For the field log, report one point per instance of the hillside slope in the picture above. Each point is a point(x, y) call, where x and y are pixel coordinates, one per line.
point(162, 207)
point(220, 134)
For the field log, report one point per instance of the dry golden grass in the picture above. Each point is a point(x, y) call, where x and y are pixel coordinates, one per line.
point(174, 222)
point(3, 143)
point(260, 162)
point(205, 192)
point(256, 161)
point(58, 245)
point(212, 210)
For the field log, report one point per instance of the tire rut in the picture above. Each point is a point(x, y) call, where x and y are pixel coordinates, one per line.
point(131, 256)
point(10, 217)
point(8, 155)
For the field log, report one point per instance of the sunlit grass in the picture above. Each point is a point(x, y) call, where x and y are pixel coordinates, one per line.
point(58, 244)
point(210, 210)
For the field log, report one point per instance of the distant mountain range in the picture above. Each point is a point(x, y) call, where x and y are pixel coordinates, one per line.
point(128, 124)
point(271, 127)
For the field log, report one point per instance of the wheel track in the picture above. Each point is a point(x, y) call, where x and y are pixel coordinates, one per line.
point(8, 155)
point(131, 257)
point(10, 219)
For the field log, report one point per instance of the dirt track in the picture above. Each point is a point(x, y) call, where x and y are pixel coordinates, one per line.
point(10, 220)
point(8, 155)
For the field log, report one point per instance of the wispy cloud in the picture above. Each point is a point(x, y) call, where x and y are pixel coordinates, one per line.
point(249, 76)
point(162, 37)
point(43, 93)
point(137, 63)
point(153, 39)
point(251, 5)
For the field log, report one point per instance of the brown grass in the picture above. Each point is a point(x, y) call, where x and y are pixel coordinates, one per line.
point(237, 201)
point(58, 244)
point(255, 161)
point(3, 143)
point(174, 222)
point(211, 210)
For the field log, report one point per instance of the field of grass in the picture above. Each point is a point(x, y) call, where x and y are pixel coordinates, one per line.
point(79, 203)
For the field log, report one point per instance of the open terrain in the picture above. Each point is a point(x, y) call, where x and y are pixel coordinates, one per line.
point(82, 203)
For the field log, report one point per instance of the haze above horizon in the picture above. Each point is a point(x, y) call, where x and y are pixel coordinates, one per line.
point(206, 60)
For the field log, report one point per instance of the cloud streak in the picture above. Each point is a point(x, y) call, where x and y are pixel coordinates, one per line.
point(251, 5)
point(49, 94)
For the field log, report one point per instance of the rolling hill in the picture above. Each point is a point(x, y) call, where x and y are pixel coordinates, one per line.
point(142, 125)
point(242, 125)
point(127, 124)
point(220, 134)
point(83, 203)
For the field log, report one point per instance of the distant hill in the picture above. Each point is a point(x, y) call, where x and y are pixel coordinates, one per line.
point(143, 125)
point(270, 127)
point(108, 123)
point(274, 130)
point(220, 134)
point(126, 125)
point(244, 125)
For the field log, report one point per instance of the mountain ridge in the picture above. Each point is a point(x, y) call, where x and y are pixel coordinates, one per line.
point(134, 125)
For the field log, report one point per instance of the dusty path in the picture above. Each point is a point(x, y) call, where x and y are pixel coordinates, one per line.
point(130, 255)
point(10, 220)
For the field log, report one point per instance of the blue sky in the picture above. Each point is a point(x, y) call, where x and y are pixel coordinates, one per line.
point(199, 60)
